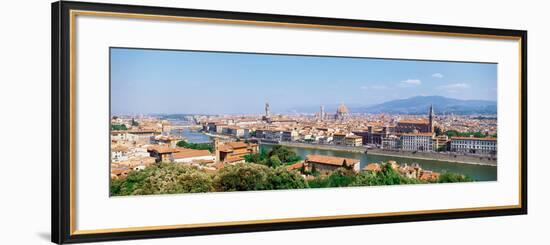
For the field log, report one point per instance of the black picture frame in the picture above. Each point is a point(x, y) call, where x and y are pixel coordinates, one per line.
point(61, 129)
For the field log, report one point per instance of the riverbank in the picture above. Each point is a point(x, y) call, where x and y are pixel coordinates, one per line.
point(452, 158)
point(319, 146)
point(217, 136)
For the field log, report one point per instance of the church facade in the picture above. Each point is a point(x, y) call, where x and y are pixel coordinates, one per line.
point(417, 125)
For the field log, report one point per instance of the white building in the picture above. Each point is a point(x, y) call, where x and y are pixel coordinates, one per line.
point(481, 146)
point(417, 142)
point(290, 135)
point(391, 142)
point(119, 153)
point(236, 131)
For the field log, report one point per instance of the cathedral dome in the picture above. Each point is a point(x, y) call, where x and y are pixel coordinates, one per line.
point(342, 109)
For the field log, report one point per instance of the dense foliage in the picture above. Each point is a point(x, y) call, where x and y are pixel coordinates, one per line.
point(196, 146)
point(162, 179)
point(277, 156)
point(452, 178)
point(344, 177)
point(118, 127)
point(454, 133)
point(167, 178)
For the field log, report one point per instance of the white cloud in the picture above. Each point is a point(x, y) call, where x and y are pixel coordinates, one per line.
point(437, 75)
point(454, 87)
point(409, 83)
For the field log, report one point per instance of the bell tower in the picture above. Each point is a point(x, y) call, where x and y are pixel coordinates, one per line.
point(431, 118)
point(267, 110)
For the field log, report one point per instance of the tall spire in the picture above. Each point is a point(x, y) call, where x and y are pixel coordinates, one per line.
point(267, 110)
point(431, 117)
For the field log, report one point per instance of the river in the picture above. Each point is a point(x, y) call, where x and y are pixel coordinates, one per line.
point(476, 172)
point(193, 136)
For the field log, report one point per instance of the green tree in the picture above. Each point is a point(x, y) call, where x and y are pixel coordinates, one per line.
point(168, 178)
point(196, 146)
point(438, 131)
point(281, 178)
point(118, 127)
point(127, 185)
point(386, 176)
point(170, 183)
point(341, 177)
point(242, 177)
point(285, 154)
point(318, 182)
point(453, 177)
point(454, 133)
point(278, 155)
point(274, 161)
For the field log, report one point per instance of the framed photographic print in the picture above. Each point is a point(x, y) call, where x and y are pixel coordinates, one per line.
point(174, 122)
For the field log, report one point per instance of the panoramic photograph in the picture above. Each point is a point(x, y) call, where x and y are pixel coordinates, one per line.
point(203, 121)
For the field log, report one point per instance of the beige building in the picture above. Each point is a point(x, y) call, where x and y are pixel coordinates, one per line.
point(353, 140)
point(327, 164)
point(339, 139)
point(233, 152)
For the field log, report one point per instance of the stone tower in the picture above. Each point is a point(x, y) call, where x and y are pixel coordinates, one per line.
point(431, 118)
point(267, 110)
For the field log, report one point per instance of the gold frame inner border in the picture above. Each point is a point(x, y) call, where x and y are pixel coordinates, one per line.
point(72, 33)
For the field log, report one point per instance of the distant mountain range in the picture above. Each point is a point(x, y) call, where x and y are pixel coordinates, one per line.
point(415, 105)
point(442, 105)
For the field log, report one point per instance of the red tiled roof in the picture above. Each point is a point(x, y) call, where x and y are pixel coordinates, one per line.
point(329, 160)
point(414, 121)
point(120, 148)
point(187, 153)
point(161, 149)
point(375, 167)
point(237, 144)
point(297, 165)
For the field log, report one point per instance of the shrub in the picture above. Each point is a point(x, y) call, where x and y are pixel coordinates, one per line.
point(452, 177)
point(174, 178)
point(242, 177)
point(281, 178)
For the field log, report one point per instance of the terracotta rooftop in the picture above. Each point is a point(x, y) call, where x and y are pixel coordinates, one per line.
point(120, 148)
point(294, 166)
point(161, 149)
point(414, 121)
point(232, 158)
point(375, 167)
point(187, 153)
point(230, 146)
point(336, 161)
point(237, 144)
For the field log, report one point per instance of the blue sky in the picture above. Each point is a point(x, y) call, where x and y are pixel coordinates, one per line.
point(162, 81)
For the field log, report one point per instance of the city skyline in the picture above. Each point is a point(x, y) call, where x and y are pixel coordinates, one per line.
point(163, 81)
